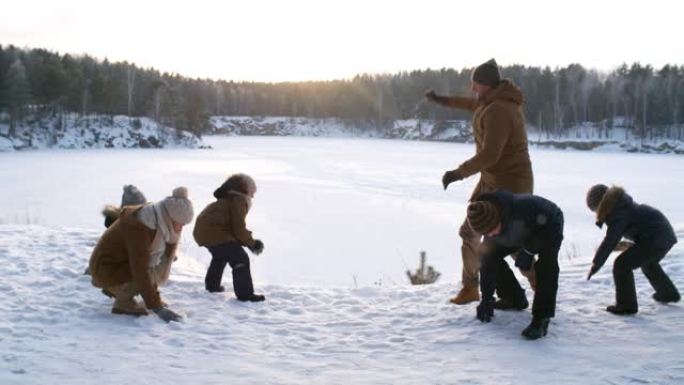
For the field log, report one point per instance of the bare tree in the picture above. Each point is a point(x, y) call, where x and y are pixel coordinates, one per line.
point(130, 84)
point(159, 88)
point(557, 112)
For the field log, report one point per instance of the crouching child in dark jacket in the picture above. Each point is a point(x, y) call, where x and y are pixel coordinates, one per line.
point(522, 225)
point(221, 228)
point(652, 235)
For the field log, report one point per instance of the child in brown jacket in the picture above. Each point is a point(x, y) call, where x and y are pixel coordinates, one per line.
point(221, 228)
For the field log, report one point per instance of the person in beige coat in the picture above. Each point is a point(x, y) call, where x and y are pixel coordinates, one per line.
point(134, 254)
point(501, 155)
point(221, 228)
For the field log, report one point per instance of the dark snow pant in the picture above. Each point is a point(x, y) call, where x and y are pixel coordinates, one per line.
point(235, 255)
point(647, 257)
point(496, 275)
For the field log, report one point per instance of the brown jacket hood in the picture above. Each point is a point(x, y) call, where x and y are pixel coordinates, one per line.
point(112, 211)
point(505, 91)
point(608, 202)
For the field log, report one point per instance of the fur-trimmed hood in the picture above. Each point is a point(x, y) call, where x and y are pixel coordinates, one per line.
point(112, 211)
point(241, 183)
point(639, 223)
point(111, 214)
point(614, 196)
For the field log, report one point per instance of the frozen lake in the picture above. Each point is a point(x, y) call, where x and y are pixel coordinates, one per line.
point(334, 212)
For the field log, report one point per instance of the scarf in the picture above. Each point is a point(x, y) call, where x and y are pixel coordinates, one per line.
point(155, 217)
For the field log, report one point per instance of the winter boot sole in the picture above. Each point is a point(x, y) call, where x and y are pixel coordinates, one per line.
point(502, 304)
point(465, 296)
point(126, 312)
point(253, 298)
point(534, 332)
point(617, 310)
point(220, 289)
point(666, 298)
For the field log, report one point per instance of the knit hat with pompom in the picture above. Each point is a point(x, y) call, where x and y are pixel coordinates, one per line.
point(178, 206)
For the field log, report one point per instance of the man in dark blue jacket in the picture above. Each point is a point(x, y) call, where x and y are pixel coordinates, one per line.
point(652, 235)
point(522, 225)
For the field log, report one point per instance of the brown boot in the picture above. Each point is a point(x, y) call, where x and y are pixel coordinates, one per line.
point(124, 303)
point(128, 306)
point(466, 295)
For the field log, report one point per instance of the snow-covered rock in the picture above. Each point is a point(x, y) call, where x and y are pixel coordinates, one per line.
point(6, 144)
point(74, 131)
point(409, 129)
point(586, 136)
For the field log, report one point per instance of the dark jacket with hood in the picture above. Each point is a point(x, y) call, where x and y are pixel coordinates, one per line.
point(637, 222)
point(528, 223)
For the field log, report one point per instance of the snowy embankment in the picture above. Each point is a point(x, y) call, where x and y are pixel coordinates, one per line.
point(74, 131)
point(56, 328)
point(584, 137)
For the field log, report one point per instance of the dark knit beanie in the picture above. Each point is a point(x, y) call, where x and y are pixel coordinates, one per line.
point(132, 196)
point(595, 195)
point(487, 73)
point(483, 216)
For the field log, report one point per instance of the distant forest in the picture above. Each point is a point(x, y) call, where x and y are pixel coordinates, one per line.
point(639, 97)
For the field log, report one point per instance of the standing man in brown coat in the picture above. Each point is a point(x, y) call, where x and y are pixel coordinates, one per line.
point(501, 155)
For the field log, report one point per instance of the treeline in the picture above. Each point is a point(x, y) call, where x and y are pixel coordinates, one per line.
point(646, 100)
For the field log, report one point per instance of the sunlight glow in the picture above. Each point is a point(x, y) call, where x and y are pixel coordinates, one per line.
point(271, 40)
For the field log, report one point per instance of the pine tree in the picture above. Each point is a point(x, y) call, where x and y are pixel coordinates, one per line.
point(18, 94)
point(4, 67)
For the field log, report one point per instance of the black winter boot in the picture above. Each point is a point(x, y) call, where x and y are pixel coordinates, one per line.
point(536, 329)
point(219, 289)
point(252, 298)
point(506, 304)
point(620, 310)
point(666, 298)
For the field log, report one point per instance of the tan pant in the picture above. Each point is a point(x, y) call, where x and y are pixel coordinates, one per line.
point(158, 274)
point(123, 291)
point(470, 252)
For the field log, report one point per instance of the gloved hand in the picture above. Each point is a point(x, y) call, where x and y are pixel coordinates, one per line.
point(524, 259)
point(485, 310)
point(593, 270)
point(450, 176)
point(167, 314)
point(258, 247)
point(431, 95)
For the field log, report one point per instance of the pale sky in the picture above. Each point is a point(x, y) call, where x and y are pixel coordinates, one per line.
point(283, 40)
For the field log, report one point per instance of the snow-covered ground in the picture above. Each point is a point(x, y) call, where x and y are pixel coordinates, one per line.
point(341, 219)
